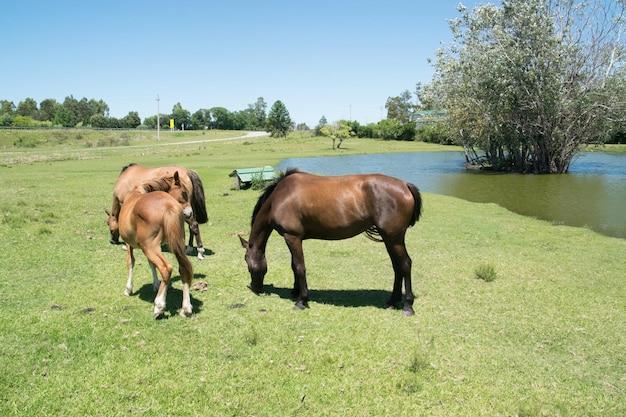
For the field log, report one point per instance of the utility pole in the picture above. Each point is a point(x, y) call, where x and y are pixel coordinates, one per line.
point(158, 119)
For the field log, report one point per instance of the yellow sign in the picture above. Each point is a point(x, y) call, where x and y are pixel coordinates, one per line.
point(171, 123)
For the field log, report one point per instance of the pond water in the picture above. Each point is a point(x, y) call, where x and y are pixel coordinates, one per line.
point(592, 194)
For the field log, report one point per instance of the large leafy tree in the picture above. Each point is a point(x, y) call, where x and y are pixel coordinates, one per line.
point(278, 120)
point(201, 119)
point(221, 118)
point(182, 117)
point(47, 109)
point(528, 83)
point(28, 108)
point(401, 108)
point(257, 115)
point(338, 132)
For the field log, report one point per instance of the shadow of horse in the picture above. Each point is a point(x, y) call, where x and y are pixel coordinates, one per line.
point(174, 296)
point(340, 298)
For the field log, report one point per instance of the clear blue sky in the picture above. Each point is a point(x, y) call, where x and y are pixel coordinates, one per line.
point(339, 59)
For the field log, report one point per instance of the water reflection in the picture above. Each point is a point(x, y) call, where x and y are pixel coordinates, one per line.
point(592, 195)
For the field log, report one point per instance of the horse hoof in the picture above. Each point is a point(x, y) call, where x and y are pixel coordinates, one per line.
point(408, 312)
point(160, 315)
point(299, 306)
point(184, 313)
point(128, 292)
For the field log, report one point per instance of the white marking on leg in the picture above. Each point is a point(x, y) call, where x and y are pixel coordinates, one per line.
point(129, 282)
point(159, 301)
point(187, 309)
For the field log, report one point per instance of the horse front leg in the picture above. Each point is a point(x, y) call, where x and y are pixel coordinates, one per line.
point(194, 230)
point(300, 288)
point(130, 264)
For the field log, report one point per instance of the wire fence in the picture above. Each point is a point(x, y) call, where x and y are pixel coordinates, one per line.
point(29, 156)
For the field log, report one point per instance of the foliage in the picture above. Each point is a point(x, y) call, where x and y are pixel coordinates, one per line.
point(486, 272)
point(257, 181)
point(95, 113)
point(434, 133)
point(338, 131)
point(401, 108)
point(182, 117)
point(278, 122)
point(531, 81)
point(256, 115)
point(393, 129)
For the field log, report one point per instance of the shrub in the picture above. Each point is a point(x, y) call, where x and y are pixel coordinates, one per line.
point(257, 182)
point(486, 272)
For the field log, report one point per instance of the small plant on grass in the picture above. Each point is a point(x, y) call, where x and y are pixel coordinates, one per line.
point(251, 337)
point(257, 182)
point(486, 272)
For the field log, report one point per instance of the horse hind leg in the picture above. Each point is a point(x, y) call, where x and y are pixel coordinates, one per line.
point(402, 263)
point(156, 258)
point(155, 279)
point(187, 309)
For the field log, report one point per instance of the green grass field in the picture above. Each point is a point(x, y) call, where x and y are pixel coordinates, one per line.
point(546, 337)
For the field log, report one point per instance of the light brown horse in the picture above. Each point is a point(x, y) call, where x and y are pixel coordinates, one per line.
point(302, 206)
point(148, 218)
point(134, 175)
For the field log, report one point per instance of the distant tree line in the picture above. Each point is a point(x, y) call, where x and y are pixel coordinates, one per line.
point(95, 114)
point(71, 113)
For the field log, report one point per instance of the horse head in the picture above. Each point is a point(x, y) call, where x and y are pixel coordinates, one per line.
point(257, 265)
point(113, 228)
point(173, 186)
point(181, 195)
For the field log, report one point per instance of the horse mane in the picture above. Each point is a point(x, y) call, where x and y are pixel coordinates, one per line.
point(269, 189)
point(156, 184)
point(126, 167)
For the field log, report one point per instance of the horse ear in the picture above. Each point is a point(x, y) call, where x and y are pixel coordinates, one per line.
point(244, 243)
point(107, 212)
point(176, 179)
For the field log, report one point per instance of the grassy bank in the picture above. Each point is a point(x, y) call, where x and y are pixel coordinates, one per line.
point(546, 337)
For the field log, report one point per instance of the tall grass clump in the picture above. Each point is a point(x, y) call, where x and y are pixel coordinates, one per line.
point(486, 272)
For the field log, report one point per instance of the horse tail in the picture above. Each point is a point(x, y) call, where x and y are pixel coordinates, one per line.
point(417, 206)
point(373, 234)
point(174, 225)
point(198, 203)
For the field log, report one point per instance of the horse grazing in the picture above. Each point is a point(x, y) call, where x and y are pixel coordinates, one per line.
point(134, 175)
point(303, 206)
point(148, 218)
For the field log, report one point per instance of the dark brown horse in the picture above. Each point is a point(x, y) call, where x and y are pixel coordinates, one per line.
point(134, 175)
point(302, 206)
point(148, 218)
